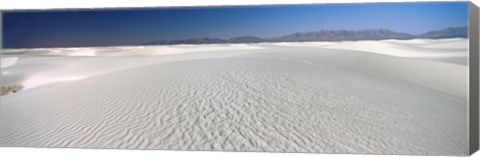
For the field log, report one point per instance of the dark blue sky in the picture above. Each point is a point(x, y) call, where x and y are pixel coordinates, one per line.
point(134, 26)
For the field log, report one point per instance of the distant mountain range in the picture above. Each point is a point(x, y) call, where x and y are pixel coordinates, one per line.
point(452, 32)
point(326, 35)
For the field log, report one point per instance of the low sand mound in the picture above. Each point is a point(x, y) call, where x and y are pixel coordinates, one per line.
point(416, 48)
point(7, 61)
point(130, 50)
point(401, 50)
point(33, 71)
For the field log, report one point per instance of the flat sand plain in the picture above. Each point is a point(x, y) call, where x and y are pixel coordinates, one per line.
point(366, 97)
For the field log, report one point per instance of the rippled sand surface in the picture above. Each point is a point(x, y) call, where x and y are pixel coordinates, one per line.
point(263, 97)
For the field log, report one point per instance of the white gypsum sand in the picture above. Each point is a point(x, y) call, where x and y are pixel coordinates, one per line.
point(387, 97)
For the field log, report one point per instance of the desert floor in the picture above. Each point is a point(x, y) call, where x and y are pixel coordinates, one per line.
point(368, 97)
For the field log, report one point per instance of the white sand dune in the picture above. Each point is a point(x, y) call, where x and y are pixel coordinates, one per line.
point(7, 61)
point(132, 50)
point(35, 71)
point(416, 48)
point(301, 97)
